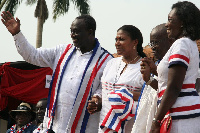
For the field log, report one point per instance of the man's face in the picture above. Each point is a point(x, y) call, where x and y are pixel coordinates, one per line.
point(158, 44)
point(79, 33)
point(40, 110)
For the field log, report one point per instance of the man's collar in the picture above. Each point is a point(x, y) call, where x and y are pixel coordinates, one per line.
point(79, 50)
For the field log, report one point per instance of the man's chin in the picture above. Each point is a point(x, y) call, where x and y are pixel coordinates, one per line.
point(119, 53)
point(77, 45)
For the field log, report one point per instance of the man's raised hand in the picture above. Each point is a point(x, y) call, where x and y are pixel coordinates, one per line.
point(12, 24)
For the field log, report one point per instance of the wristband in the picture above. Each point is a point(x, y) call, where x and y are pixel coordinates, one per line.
point(158, 121)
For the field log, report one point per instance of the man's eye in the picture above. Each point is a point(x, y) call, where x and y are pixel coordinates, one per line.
point(121, 39)
point(169, 20)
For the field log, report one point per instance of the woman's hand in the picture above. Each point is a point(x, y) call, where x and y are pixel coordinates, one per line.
point(11, 24)
point(155, 127)
point(94, 105)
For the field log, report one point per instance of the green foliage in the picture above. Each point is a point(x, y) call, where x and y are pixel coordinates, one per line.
point(60, 7)
point(12, 5)
point(41, 10)
point(30, 2)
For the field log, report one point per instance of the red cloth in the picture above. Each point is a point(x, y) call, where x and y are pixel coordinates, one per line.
point(24, 85)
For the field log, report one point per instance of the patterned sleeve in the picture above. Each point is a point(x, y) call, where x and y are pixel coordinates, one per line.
point(180, 53)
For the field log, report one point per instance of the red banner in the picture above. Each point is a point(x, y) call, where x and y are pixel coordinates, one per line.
point(23, 85)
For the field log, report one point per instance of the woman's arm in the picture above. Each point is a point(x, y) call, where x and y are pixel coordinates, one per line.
point(136, 95)
point(176, 76)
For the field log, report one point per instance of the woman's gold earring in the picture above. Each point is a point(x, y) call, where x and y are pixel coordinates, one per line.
point(133, 47)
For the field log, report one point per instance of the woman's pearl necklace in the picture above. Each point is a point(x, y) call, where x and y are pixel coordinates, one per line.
point(131, 60)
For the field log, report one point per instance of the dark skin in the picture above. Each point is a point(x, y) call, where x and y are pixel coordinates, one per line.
point(83, 38)
point(174, 29)
point(22, 118)
point(94, 105)
point(11, 24)
point(40, 111)
point(126, 47)
point(176, 74)
point(148, 67)
point(158, 37)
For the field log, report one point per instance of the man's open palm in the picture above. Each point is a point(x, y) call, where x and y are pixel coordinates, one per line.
point(11, 24)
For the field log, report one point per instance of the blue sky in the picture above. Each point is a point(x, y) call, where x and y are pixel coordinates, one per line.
point(109, 15)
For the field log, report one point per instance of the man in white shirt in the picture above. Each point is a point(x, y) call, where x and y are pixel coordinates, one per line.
point(77, 68)
point(40, 112)
point(160, 44)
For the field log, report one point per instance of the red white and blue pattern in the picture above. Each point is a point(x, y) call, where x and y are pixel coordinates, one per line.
point(109, 86)
point(13, 128)
point(79, 113)
point(113, 79)
point(179, 59)
point(183, 52)
point(38, 130)
point(121, 101)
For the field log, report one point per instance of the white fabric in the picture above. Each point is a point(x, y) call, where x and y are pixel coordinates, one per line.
point(121, 101)
point(186, 126)
point(48, 57)
point(41, 129)
point(131, 78)
point(146, 110)
point(188, 56)
point(199, 67)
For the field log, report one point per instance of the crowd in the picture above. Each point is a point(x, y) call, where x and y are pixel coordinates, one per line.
point(92, 92)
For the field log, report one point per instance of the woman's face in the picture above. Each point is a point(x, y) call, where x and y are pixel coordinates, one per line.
point(22, 118)
point(174, 25)
point(124, 44)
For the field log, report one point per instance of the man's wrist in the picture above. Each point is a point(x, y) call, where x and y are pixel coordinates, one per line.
point(16, 33)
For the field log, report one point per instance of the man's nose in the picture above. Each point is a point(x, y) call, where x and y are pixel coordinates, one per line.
point(39, 110)
point(117, 42)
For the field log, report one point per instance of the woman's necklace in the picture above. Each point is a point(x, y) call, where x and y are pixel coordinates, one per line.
point(115, 80)
point(13, 130)
point(131, 60)
point(116, 77)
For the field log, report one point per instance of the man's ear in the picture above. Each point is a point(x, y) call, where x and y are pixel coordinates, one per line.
point(91, 32)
